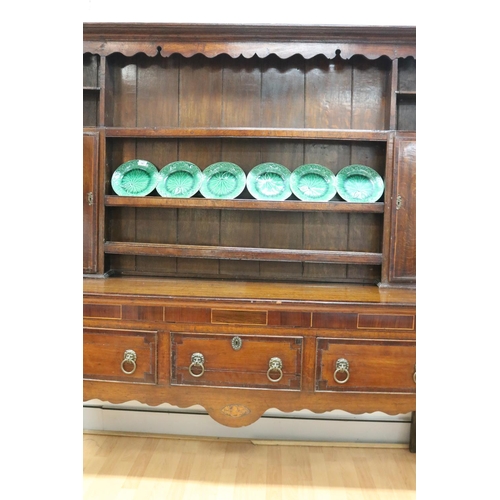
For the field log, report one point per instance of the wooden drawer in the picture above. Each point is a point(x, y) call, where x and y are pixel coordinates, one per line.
point(236, 361)
point(384, 366)
point(105, 355)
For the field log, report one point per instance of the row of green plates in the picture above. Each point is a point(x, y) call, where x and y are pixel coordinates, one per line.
point(267, 181)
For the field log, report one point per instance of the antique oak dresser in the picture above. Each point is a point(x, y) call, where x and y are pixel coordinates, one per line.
point(244, 304)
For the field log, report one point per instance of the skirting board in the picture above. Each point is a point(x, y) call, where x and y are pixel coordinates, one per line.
point(335, 427)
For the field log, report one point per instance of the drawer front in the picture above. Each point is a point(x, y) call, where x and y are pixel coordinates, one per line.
point(365, 366)
point(229, 360)
point(119, 355)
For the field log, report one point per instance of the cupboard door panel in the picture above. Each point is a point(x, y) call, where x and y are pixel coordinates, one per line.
point(403, 266)
point(90, 161)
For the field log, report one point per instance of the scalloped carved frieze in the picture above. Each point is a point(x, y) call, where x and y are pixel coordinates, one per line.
point(248, 40)
point(283, 50)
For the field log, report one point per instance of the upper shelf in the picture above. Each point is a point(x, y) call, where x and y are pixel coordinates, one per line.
point(249, 40)
point(249, 132)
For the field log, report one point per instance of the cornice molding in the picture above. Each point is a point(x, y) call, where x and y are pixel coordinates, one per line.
point(249, 40)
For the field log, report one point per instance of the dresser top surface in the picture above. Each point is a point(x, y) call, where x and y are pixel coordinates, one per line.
point(247, 291)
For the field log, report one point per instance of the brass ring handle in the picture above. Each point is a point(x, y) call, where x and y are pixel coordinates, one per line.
point(197, 359)
point(341, 366)
point(275, 364)
point(415, 375)
point(129, 356)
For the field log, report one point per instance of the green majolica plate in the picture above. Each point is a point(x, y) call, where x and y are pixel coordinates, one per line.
point(313, 182)
point(179, 179)
point(359, 184)
point(134, 178)
point(222, 180)
point(269, 181)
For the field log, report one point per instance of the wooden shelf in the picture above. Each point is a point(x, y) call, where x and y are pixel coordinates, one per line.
point(241, 253)
point(249, 132)
point(243, 204)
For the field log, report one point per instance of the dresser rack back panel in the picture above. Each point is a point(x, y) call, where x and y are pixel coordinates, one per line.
point(249, 94)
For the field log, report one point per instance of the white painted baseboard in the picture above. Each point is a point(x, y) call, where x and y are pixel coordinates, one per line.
point(335, 427)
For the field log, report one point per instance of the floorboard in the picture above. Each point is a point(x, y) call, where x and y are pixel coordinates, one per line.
point(135, 467)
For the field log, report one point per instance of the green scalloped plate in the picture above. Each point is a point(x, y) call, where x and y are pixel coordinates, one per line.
point(313, 182)
point(134, 178)
point(359, 184)
point(269, 181)
point(179, 179)
point(222, 180)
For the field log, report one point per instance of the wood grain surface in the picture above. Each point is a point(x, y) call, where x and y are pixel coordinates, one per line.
point(149, 467)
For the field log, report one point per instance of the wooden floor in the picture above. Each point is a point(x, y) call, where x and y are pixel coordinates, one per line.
point(126, 467)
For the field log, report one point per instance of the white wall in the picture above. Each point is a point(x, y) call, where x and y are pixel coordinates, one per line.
point(385, 12)
point(336, 426)
point(42, 239)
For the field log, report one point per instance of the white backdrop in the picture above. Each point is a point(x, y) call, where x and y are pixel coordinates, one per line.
point(386, 12)
point(42, 238)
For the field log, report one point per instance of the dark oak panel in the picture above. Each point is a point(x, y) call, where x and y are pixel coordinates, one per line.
point(403, 267)
point(90, 200)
